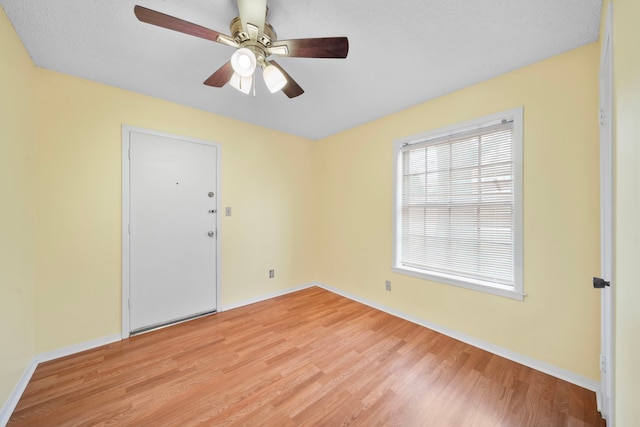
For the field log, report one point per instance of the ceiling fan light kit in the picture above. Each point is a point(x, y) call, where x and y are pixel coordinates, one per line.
point(243, 84)
point(273, 78)
point(255, 40)
point(243, 62)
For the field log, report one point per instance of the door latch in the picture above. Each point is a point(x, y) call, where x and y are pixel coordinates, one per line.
point(600, 283)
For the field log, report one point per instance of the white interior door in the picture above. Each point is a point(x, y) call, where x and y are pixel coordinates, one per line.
point(606, 223)
point(172, 232)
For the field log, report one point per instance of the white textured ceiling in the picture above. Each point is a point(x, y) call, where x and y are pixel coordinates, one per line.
point(401, 53)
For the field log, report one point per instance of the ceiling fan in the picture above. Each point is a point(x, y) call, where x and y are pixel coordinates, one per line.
point(255, 41)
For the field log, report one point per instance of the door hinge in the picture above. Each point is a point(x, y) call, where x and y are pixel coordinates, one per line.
point(129, 151)
point(129, 228)
point(603, 363)
point(601, 117)
point(129, 303)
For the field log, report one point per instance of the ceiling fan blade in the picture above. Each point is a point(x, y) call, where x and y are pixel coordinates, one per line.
point(253, 12)
point(221, 77)
point(291, 89)
point(323, 47)
point(176, 24)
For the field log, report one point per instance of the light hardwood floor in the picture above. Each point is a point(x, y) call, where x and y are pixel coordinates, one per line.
point(307, 358)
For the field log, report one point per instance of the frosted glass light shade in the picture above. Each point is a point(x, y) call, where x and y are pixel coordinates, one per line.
point(243, 62)
point(273, 78)
point(243, 84)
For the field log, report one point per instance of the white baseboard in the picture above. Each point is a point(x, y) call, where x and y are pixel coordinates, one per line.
point(76, 348)
point(266, 297)
point(538, 365)
point(14, 397)
point(16, 393)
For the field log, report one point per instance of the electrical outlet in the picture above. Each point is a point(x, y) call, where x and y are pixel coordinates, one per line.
point(272, 274)
point(387, 285)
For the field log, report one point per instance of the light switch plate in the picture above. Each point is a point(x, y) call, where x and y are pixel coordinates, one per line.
point(227, 211)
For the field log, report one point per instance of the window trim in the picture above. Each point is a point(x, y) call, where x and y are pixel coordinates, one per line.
point(517, 291)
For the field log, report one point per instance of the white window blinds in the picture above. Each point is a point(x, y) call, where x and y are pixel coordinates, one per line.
point(457, 205)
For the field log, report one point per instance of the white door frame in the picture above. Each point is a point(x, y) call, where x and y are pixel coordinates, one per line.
point(126, 131)
point(607, 330)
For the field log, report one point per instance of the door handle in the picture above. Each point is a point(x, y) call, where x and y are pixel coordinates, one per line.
point(600, 283)
point(211, 234)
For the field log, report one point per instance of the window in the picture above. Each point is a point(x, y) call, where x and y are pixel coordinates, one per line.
point(458, 205)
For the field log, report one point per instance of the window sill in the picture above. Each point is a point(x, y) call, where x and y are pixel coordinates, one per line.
point(488, 288)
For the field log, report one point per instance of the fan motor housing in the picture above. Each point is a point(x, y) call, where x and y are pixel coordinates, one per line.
point(259, 46)
point(241, 36)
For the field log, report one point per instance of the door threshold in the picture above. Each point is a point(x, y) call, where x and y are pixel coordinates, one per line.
point(173, 322)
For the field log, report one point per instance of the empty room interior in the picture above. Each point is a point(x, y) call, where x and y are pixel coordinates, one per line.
point(322, 312)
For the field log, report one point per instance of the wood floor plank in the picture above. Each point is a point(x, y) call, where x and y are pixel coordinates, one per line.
point(307, 358)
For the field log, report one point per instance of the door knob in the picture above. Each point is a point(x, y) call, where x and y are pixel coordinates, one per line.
point(211, 234)
point(599, 283)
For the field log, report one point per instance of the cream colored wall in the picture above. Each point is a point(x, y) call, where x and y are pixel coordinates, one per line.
point(17, 210)
point(265, 179)
point(626, 43)
point(558, 322)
